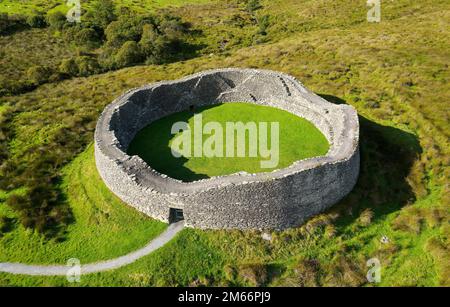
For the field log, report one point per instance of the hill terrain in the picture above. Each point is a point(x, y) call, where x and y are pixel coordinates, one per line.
point(54, 206)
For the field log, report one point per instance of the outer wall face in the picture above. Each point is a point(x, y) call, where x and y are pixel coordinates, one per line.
point(277, 200)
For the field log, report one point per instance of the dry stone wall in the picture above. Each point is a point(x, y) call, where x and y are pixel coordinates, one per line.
point(274, 200)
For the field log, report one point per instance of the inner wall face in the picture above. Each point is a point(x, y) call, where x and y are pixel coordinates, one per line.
point(291, 139)
point(283, 198)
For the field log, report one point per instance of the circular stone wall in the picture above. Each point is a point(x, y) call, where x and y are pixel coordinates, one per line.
point(275, 200)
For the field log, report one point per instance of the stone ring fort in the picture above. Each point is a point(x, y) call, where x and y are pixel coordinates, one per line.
point(273, 200)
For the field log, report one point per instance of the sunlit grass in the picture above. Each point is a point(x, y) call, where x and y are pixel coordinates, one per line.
point(397, 79)
point(298, 139)
point(104, 227)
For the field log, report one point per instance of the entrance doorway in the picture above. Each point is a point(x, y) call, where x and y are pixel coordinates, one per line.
point(175, 215)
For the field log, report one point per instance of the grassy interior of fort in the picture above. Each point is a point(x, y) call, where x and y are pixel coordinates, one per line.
point(396, 75)
point(298, 139)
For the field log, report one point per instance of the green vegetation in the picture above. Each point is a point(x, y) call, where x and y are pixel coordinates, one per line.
point(103, 40)
point(103, 227)
point(122, 43)
point(397, 78)
point(298, 139)
point(102, 13)
point(44, 6)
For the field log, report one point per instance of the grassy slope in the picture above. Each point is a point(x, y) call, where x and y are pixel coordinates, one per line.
point(43, 47)
point(29, 7)
point(298, 139)
point(396, 78)
point(39, 47)
point(104, 227)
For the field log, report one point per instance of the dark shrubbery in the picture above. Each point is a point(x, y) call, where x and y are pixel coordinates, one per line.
point(11, 23)
point(84, 35)
point(254, 274)
point(39, 74)
point(106, 58)
point(68, 67)
point(126, 28)
point(253, 5)
point(102, 13)
point(159, 39)
point(5, 224)
point(129, 54)
point(15, 87)
point(152, 44)
point(36, 21)
point(4, 22)
point(160, 44)
point(87, 66)
point(127, 40)
point(263, 24)
point(87, 37)
point(39, 208)
point(81, 66)
point(37, 170)
point(56, 20)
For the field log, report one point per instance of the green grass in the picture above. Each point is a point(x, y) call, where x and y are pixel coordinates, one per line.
point(28, 7)
point(298, 139)
point(397, 79)
point(104, 227)
point(198, 257)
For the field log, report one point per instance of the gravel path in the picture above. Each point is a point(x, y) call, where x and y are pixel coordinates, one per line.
point(62, 270)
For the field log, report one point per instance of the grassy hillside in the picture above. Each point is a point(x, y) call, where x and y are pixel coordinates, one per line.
point(45, 6)
point(394, 74)
point(103, 226)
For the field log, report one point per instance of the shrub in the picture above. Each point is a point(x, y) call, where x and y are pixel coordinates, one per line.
point(56, 20)
point(153, 45)
point(330, 231)
point(159, 38)
point(36, 21)
point(106, 58)
point(11, 23)
point(128, 54)
point(38, 208)
point(263, 24)
point(87, 66)
point(366, 217)
point(68, 67)
point(38, 74)
point(79, 66)
point(102, 13)
point(307, 273)
point(253, 5)
point(125, 29)
point(87, 36)
point(4, 22)
point(5, 224)
point(84, 35)
point(255, 274)
point(172, 27)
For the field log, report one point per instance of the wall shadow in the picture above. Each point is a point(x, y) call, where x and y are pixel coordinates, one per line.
point(387, 156)
point(152, 145)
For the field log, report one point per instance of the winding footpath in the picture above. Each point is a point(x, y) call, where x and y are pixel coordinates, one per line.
point(63, 270)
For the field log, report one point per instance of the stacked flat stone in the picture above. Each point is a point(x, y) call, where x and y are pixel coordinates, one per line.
point(273, 200)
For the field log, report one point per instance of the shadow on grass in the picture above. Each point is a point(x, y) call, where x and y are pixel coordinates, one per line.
point(387, 156)
point(152, 145)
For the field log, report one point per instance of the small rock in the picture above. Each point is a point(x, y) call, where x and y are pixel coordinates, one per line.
point(266, 236)
point(384, 240)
